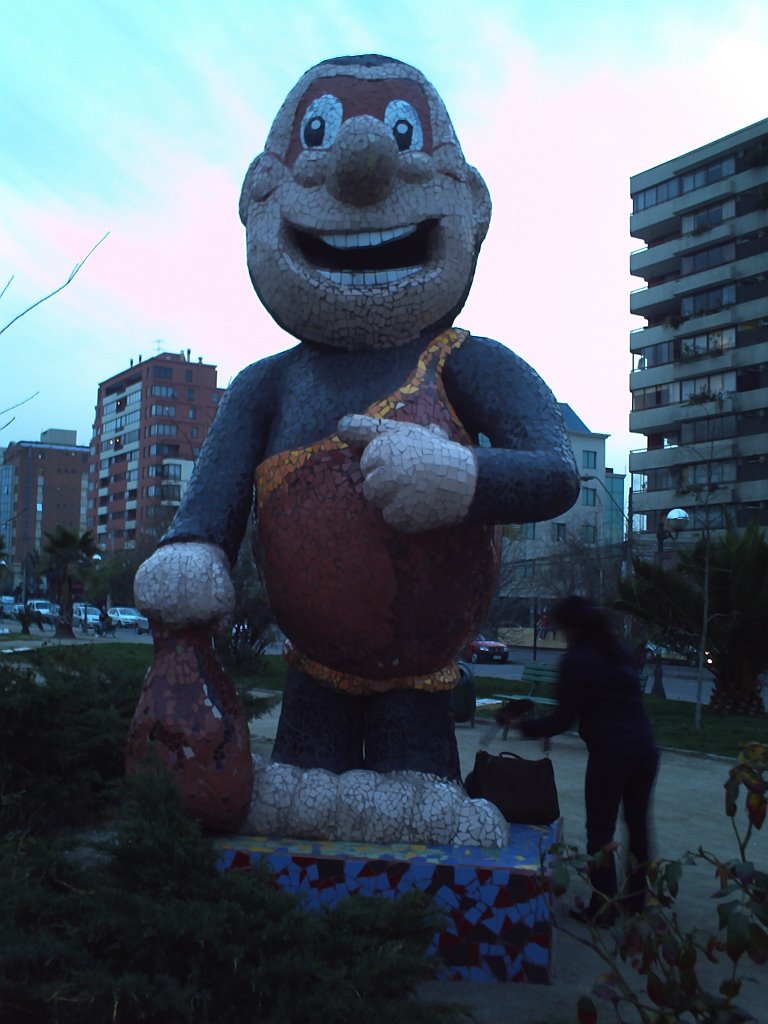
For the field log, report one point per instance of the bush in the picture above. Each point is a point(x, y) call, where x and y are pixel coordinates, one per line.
point(156, 934)
point(656, 946)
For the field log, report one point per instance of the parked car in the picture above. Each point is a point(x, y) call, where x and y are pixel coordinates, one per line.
point(688, 655)
point(482, 649)
point(129, 618)
point(85, 616)
point(42, 609)
point(16, 610)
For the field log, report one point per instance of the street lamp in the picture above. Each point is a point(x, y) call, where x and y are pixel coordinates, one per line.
point(624, 516)
point(85, 561)
point(677, 519)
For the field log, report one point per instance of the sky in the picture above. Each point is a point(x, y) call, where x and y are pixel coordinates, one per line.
point(140, 120)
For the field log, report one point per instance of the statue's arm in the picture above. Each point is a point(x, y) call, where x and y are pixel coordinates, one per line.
point(528, 473)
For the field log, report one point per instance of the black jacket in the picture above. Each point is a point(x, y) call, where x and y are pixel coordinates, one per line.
point(603, 692)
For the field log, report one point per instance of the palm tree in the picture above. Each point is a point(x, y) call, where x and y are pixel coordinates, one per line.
point(718, 592)
point(67, 555)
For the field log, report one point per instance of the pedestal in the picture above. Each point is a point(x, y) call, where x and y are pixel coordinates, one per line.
point(498, 924)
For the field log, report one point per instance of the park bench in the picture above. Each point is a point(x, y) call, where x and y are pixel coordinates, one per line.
point(540, 679)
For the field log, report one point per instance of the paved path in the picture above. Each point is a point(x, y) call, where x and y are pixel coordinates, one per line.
point(688, 812)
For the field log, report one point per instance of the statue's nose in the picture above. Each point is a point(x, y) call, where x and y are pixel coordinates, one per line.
point(362, 163)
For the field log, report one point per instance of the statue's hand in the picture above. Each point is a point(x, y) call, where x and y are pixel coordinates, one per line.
point(415, 475)
point(185, 585)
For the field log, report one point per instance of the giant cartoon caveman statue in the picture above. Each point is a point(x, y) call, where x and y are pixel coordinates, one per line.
point(383, 450)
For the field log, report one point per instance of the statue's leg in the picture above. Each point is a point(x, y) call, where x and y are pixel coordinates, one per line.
point(409, 739)
point(319, 727)
point(409, 730)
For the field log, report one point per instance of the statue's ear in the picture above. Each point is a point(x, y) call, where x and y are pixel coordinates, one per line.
point(247, 189)
point(481, 205)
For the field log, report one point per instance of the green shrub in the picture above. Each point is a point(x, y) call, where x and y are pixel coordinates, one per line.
point(156, 934)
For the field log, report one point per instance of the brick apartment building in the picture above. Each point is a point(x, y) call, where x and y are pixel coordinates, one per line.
point(43, 484)
point(151, 420)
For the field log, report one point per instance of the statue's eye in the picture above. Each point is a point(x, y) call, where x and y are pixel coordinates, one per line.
point(321, 122)
point(405, 125)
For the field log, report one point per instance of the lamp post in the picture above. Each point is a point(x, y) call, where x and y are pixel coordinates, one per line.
point(92, 561)
point(676, 519)
point(627, 521)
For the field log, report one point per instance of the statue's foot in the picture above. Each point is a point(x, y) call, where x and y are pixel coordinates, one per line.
point(362, 806)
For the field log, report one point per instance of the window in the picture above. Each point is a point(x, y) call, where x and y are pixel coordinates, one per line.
point(163, 372)
point(712, 343)
point(560, 529)
point(707, 388)
point(710, 428)
point(693, 263)
point(169, 429)
point(192, 413)
point(187, 375)
point(162, 410)
point(588, 460)
point(650, 398)
point(162, 391)
point(589, 533)
point(589, 496)
point(708, 301)
point(190, 394)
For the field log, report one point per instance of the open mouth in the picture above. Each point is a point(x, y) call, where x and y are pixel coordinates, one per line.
point(367, 257)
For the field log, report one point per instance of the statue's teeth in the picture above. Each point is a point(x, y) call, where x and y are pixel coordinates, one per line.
point(366, 239)
point(358, 278)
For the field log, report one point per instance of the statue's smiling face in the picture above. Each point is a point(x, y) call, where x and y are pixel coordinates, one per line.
point(363, 218)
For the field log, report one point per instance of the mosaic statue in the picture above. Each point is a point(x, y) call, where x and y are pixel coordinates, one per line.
point(383, 451)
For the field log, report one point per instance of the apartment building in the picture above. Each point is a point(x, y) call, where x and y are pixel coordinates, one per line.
point(579, 551)
point(699, 379)
point(150, 423)
point(43, 484)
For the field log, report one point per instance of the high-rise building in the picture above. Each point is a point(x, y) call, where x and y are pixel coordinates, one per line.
point(150, 423)
point(700, 365)
point(43, 484)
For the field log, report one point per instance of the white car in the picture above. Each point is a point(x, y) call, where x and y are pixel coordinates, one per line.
point(85, 616)
point(44, 609)
point(130, 618)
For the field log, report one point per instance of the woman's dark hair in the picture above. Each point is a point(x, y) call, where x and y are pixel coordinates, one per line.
point(587, 622)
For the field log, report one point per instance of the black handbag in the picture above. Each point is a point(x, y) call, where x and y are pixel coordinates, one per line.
point(524, 791)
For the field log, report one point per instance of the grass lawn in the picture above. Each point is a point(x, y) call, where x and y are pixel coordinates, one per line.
point(673, 722)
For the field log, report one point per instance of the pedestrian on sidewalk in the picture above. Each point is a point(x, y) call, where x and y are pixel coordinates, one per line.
point(599, 684)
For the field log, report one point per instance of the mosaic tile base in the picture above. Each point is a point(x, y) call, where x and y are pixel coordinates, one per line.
point(497, 920)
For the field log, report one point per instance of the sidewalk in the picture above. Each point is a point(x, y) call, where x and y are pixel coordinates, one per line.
point(688, 812)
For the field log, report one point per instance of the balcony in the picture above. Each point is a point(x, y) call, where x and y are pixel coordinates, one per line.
point(643, 460)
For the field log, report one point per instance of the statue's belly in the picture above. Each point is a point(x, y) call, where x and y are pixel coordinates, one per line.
point(354, 594)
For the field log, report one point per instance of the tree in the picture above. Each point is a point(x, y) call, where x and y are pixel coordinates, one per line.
point(75, 270)
point(68, 555)
point(729, 578)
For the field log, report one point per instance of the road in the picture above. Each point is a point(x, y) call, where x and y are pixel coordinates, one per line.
point(679, 680)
